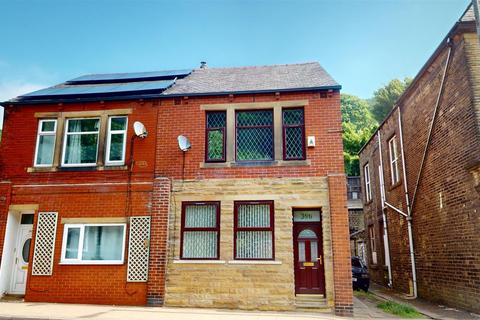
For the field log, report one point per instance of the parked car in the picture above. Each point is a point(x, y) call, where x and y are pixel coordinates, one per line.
point(360, 277)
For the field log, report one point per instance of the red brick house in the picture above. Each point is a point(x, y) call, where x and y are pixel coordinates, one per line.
point(421, 179)
point(250, 213)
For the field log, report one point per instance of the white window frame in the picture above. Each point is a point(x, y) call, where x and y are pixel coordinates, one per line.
point(109, 162)
point(373, 243)
point(393, 151)
point(79, 260)
point(41, 133)
point(368, 185)
point(66, 133)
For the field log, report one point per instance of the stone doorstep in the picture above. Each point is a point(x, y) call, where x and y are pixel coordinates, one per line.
point(311, 302)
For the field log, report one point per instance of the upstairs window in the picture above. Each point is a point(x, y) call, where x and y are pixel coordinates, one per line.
point(253, 229)
point(293, 134)
point(81, 142)
point(47, 130)
point(215, 136)
point(254, 135)
point(116, 140)
point(368, 187)
point(373, 244)
point(200, 230)
point(392, 147)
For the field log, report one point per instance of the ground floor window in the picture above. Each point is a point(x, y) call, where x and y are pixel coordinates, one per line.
point(93, 243)
point(200, 230)
point(254, 230)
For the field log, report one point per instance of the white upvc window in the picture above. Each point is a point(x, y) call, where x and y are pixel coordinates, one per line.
point(93, 244)
point(392, 147)
point(45, 148)
point(368, 186)
point(373, 245)
point(80, 145)
point(116, 140)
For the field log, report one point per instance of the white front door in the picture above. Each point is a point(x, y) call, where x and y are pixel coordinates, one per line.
point(21, 257)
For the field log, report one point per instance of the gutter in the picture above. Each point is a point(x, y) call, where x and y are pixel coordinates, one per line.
point(162, 95)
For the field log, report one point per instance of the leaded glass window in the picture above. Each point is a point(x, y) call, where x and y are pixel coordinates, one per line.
point(293, 134)
point(200, 230)
point(254, 135)
point(254, 230)
point(215, 140)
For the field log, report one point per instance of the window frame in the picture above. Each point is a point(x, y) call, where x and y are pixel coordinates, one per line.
point(217, 204)
point(41, 133)
point(373, 243)
point(79, 260)
point(272, 126)
point(393, 154)
point(368, 183)
point(66, 133)
point(284, 134)
point(110, 132)
point(236, 229)
point(224, 133)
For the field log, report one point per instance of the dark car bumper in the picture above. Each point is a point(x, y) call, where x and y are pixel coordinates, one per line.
point(359, 281)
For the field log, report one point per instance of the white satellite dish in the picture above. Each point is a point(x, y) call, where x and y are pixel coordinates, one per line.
point(183, 143)
point(140, 130)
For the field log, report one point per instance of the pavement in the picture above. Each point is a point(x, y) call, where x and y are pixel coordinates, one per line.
point(428, 309)
point(58, 311)
point(364, 308)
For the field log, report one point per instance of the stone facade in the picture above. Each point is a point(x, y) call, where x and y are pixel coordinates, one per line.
point(264, 285)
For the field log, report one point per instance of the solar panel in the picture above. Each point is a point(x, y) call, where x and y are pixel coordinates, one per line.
point(127, 77)
point(68, 90)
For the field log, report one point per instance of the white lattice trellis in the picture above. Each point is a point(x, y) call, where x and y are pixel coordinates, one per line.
point(42, 264)
point(138, 249)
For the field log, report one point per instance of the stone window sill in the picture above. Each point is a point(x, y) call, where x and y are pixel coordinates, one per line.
point(394, 186)
point(199, 261)
point(275, 163)
point(273, 262)
point(67, 169)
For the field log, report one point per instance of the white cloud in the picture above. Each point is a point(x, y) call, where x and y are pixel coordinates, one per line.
point(12, 89)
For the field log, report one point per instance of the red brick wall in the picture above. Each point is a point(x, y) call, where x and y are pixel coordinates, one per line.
point(445, 231)
point(342, 272)
point(78, 194)
point(321, 120)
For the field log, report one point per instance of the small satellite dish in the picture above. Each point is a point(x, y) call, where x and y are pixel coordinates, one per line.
point(140, 130)
point(183, 143)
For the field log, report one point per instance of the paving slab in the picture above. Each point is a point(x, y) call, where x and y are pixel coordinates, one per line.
point(57, 311)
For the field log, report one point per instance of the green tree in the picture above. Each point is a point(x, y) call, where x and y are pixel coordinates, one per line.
point(358, 125)
point(385, 97)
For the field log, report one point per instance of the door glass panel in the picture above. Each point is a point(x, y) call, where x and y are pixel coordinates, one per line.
point(301, 251)
point(27, 219)
point(26, 250)
point(307, 234)
point(306, 216)
point(314, 250)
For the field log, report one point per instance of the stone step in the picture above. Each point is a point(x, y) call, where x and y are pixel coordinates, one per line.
point(311, 302)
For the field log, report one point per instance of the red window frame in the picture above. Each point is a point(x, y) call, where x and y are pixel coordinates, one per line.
point(284, 132)
point(272, 126)
point(183, 228)
point(236, 229)
point(207, 131)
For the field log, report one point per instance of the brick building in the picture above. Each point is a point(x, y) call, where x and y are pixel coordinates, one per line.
point(356, 218)
point(249, 213)
point(424, 162)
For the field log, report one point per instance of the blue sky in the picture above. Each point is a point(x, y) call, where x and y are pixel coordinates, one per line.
point(362, 44)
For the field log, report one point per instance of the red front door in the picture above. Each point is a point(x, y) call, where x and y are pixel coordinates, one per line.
point(308, 255)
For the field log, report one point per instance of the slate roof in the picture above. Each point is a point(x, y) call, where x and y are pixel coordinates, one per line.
point(202, 81)
point(287, 77)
